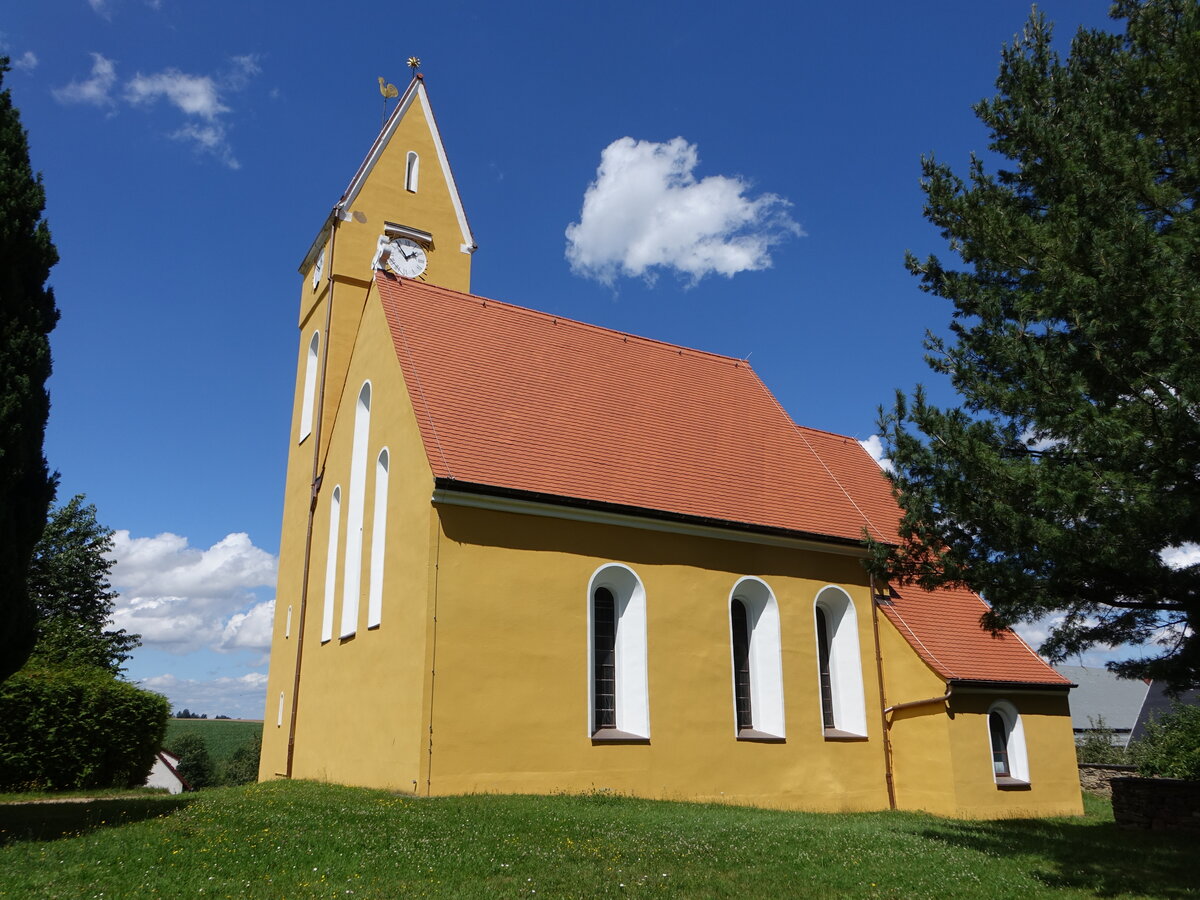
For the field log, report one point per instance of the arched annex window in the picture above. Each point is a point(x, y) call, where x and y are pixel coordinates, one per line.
point(618, 690)
point(352, 577)
point(757, 661)
point(1006, 736)
point(331, 559)
point(412, 171)
point(378, 541)
point(309, 396)
point(839, 665)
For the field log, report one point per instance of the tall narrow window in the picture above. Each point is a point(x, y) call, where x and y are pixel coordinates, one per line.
point(743, 710)
point(823, 666)
point(999, 745)
point(310, 386)
point(279, 712)
point(618, 688)
point(1006, 734)
point(757, 661)
point(604, 658)
point(839, 665)
point(352, 578)
point(378, 541)
point(412, 170)
point(331, 561)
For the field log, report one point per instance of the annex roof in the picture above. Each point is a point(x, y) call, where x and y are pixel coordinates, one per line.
point(518, 401)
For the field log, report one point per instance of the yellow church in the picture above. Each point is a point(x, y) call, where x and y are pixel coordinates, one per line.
point(526, 554)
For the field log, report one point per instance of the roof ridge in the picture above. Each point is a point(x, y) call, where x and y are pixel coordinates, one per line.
point(567, 320)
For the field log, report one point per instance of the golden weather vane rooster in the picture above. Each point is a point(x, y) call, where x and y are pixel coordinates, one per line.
point(389, 91)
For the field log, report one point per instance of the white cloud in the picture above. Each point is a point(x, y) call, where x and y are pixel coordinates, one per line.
point(182, 599)
point(199, 98)
point(238, 697)
point(99, 7)
point(195, 95)
point(26, 62)
point(95, 90)
point(646, 211)
point(874, 446)
point(1181, 555)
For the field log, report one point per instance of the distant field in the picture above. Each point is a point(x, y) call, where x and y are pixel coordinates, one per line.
point(222, 736)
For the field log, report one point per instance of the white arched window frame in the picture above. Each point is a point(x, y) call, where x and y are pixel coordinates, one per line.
point(331, 559)
point(764, 656)
point(412, 171)
point(632, 692)
point(1010, 743)
point(310, 386)
point(279, 712)
point(848, 711)
point(352, 577)
point(378, 541)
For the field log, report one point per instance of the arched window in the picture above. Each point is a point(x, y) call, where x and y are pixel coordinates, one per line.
point(839, 665)
point(279, 712)
point(352, 578)
point(378, 541)
point(310, 386)
point(331, 558)
point(412, 170)
point(1006, 734)
point(618, 691)
point(757, 661)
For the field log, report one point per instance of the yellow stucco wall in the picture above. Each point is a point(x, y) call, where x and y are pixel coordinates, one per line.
point(511, 689)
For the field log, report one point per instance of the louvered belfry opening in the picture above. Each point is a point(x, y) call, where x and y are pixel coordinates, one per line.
point(823, 661)
point(741, 664)
point(604, 656)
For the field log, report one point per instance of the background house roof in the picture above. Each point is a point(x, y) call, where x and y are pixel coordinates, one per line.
point(519, 400)
point(1102, 695)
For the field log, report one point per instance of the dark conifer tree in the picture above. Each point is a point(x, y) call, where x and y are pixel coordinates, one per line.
point(1069, 477)
point(27, 316)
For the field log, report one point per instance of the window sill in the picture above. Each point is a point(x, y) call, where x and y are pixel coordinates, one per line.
point(615, 736)
point(1005, 783)
point(759, 737)
point(836, 734)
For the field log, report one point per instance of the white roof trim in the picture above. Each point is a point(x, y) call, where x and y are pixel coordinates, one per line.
point(444, 497)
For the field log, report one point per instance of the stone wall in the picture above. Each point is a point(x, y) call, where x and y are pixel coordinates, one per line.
point(1156, 803)
point(1095, 778)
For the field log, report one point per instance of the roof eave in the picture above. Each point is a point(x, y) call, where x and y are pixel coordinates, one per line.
point(444, 486)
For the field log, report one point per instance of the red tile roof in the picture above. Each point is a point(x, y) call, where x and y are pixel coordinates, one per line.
point(523, 401)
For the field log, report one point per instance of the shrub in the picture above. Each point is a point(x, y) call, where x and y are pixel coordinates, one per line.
point(242, 767)
point(1171, 746)
point(1097, 746)
point(69, 728)
point(195, 762)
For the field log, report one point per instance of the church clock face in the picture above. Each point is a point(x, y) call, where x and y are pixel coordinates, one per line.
point(407, 259)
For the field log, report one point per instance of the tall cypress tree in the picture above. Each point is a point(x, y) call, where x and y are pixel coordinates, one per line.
point(27, 316)
point(1067, 481)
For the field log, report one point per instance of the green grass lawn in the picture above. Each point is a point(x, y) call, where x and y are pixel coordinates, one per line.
point(302, 839)
point(221, 736)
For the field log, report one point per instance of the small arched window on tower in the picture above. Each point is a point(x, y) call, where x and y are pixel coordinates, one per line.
point(412, 171)
point(378, 541)
point(618, 695)
point(308, 398)
point(356, 502)
point(839, 666)
point(757, 662)
point(1006, 733)
point(331, 561)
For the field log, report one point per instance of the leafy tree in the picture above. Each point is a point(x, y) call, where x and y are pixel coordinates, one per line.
point(1171, 745)
point(1071, 466)
point(242, 767)
point(27, 316)
point(68, 580)
point(195, 762)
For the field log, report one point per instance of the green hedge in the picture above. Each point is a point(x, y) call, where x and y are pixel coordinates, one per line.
point(69, 728)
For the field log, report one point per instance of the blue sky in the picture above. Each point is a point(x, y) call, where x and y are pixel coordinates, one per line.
point(191, 151)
